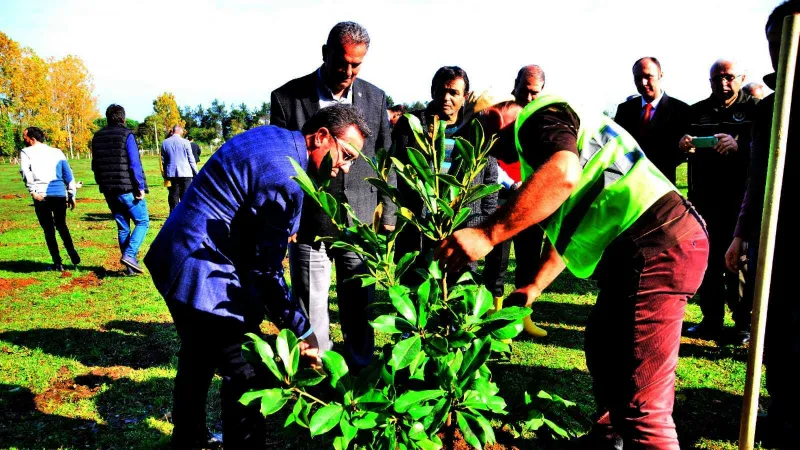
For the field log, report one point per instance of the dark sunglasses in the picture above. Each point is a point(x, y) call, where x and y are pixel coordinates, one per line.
point(346, 156)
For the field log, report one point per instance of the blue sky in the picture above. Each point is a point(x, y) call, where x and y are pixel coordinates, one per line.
point(239, 51)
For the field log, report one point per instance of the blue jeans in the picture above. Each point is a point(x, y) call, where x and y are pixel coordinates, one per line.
point(124, 208)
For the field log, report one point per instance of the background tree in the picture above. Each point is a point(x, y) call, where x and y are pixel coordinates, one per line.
point(218, 115)
point(167, 114)
point(72, 101)
point(261, 114)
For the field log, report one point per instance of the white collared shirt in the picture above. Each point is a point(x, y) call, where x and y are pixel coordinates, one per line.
point(326, 97)
point(654, 104)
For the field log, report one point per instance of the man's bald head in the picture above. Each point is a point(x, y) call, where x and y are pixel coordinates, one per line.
point(726, 79)
point(529, 84)
point(177, 130)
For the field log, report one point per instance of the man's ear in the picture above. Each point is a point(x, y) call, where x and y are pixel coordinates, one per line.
point(320, 136)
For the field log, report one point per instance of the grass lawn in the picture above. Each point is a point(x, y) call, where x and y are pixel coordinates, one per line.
point(87, 357)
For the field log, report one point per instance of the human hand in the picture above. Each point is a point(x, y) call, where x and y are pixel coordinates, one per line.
point(524, 296)
point(388, 228)
point(139, 196)
point(463, 246)
point(685, 144)
point(293, 238)
point(37, 196)
point(726, 144)
point(309, 350)
point(734, 254)
point(71, 203)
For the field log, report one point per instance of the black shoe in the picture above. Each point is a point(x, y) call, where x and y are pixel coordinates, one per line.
point(76, 259)
point(57, 268)
point(129, 272)
point(703, 331)
point(131, 263)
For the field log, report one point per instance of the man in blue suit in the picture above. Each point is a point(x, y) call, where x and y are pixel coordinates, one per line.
point(218, 263)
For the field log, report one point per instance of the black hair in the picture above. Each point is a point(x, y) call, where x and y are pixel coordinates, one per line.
point(651, 58)
point(337, 118)
point(35, 133)
point(115, 115)
point(347, 33)
point(401, 108)
point(448, 73)
point(786, 8)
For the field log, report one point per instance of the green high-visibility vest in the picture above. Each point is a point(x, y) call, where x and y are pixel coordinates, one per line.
point(617, 185)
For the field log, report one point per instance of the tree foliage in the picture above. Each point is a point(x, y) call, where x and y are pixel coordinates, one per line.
point(166, 114)
point(55, 95)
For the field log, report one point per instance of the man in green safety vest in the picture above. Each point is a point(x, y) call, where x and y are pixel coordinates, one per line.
point(609, 214)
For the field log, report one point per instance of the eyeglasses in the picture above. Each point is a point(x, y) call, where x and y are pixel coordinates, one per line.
point(727, 77)
point(346, 156)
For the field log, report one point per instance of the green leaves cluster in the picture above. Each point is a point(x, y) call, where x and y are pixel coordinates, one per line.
point(434, 374)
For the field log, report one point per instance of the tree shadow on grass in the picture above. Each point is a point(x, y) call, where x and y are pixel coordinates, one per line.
point(28, 266)
point(563, 313)
point(119, 343)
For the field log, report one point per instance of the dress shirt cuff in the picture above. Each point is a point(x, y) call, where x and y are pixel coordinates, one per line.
point(306, 334)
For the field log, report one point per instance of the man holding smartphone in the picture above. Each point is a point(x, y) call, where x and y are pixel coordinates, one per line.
point(718, 145)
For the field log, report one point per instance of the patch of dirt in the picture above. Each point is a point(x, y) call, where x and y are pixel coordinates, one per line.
point(113, 372)
point(454, 440)
point(11, 196)
point(6, 225)
point(63, 389)
point(9, 285)
point(82, 282)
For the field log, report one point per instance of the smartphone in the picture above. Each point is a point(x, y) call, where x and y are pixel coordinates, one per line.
point(704, 141)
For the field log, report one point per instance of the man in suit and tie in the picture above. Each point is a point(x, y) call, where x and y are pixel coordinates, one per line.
point(337, 82)
point(656, 120)
point(218, 263)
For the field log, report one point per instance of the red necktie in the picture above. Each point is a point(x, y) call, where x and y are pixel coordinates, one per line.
point(648, 110)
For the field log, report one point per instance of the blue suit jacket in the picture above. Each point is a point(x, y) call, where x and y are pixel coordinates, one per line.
point(222, 248)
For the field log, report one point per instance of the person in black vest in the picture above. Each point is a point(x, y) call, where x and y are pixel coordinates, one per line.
point(195, 150)
point(118, 171)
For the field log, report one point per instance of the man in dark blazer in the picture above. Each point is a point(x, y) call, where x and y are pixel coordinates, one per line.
point(218, 263)
point(658, 132)
point(336, 82)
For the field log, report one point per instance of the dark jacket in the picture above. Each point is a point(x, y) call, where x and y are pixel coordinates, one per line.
point(110, 163)
point(221, 250)
point(292, 105)
point(659, 139)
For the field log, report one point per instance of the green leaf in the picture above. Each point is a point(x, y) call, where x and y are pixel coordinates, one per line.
point(481, 192)
point(348, 430)
point(303, 179)
point(411, 398)
point(422, 165)
point(483, 302)
point(439, 345)
point(249, 396)
point(419, 411)
point(273, 400)
point(427, 444)
point(445, 208)
point(267, 356)
point(329, 205)
point(300, 412)
point(469, 435)
point(487, 433)
point(402, 302)
point(461, 216)
point(434, 421)
point(465, 151)
point(405, 351)
point(527, 399)
point(366, 420)
point(508, 314)
point(325, 418)
point(509, 331)
point(405, 263)
point(386, 188)
point(373, 397)
point(335, 366)
point(417, 432)
point(460, 338)
point(535, 420)
point(474, 358)
point(435, 270)
point(308, 377)
point(286, 344)
point(500, 347)
point(391, 324)
point(417, 367)
point(557, 429)
point(449, 180)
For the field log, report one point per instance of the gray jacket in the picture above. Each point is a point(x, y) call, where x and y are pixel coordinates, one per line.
point(177, 158)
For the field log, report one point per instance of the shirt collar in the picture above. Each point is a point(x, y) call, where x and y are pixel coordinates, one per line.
point(325, 95)
point(655, 101)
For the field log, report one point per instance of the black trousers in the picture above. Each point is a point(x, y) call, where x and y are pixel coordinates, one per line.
point(52, 215)
point(177, 188)
point(210, 343)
